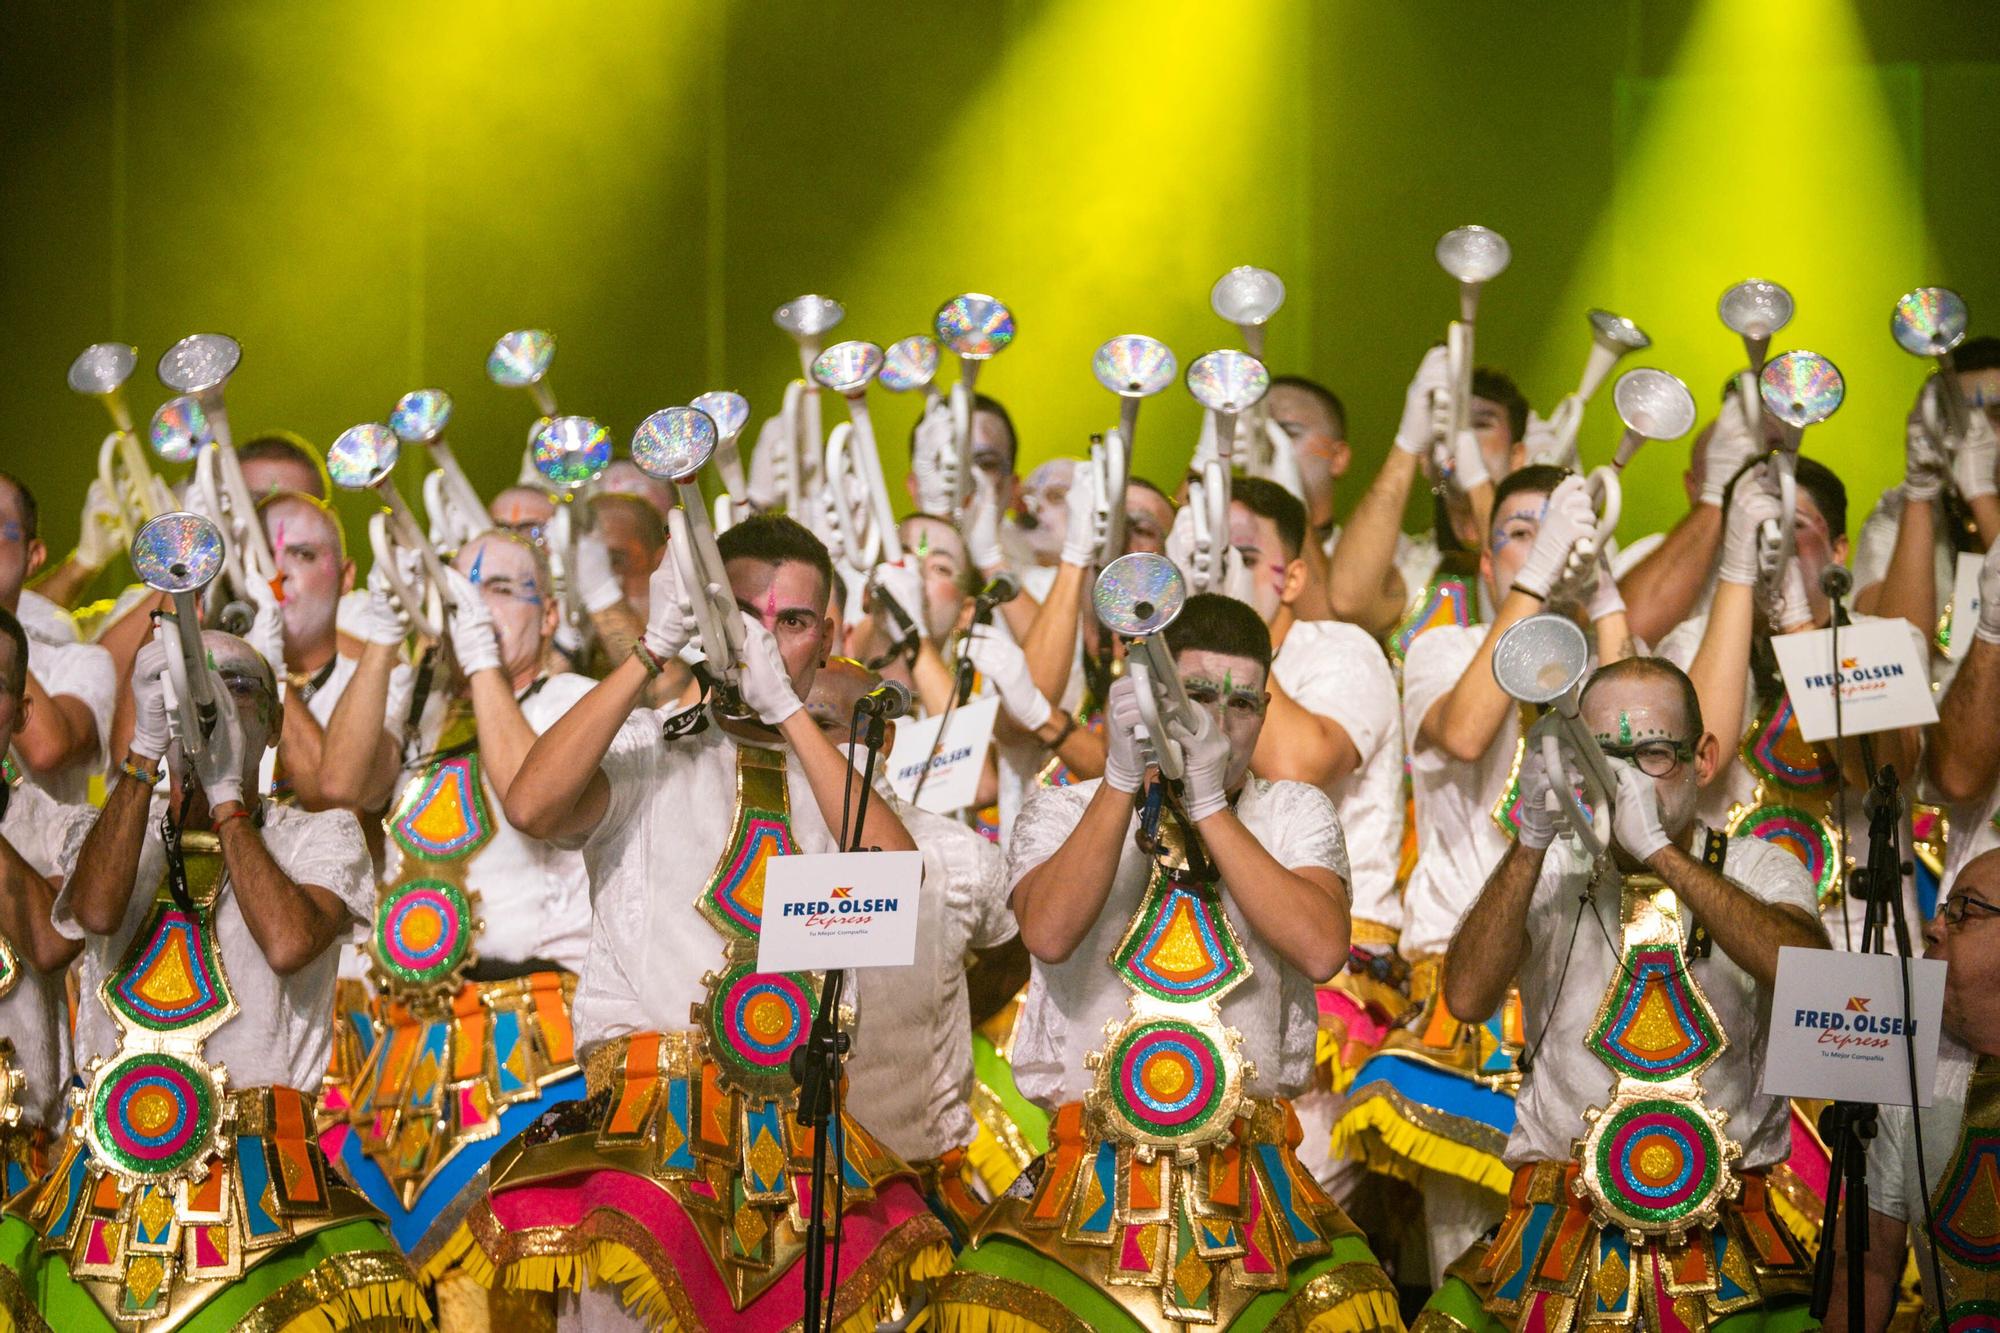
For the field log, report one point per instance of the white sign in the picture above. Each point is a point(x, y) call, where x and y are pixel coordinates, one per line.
point(956, 764)
point(1838, 1029)
point(1964, 603)
point(1884, 675)
point(840, 909)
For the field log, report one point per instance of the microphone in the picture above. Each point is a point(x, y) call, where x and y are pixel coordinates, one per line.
point(237, 617)
point(1834, 581)
point(887, 701)
point(999, 590)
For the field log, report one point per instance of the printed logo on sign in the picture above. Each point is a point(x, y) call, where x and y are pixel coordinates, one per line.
point(1854, 1029)
point(1857, 681)
point(845, 891)
point(1842, 1032)
point(1857, 1004)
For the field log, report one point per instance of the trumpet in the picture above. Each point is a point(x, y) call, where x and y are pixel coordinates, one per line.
point(1753, 310)
point(1654, 406)
point(1226, 384)
point(1542, 660)
point(1135, 367)
point(198, 367)
point(976, 328)
point(1611, 338)
point(807, 319)
point(1247, 296)
point(1473, 256)
point(520, 360)
point(1800, 389)
point(1931, 321)
point(569, 454)
point(100, 372)
point(180, 554)
point(846, 368)
point(456, 515)
point(1136, 597)
point(729, 411)
point(912, 363)
point(364, 458)
point(672, 445)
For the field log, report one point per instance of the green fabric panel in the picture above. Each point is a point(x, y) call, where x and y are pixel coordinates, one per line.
point(1459, 1301)
point(68, 1308)
point(1006, 1258)
point(996, 1073)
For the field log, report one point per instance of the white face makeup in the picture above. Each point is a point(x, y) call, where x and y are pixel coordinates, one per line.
point(1517, 521)
point(1257, 542)
point(788, 600)
point(941, 559)
point(1232, 690)
point(306, 545)
point(1641, 721)
point(517, 596)
point(1045, 498)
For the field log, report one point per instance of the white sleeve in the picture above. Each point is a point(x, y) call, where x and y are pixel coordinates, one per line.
point(1769, 873)
point(84, 672)
point(1436, 662)
point(326, 848)
point(1339, 673)
point(1886, 1155)
point(631, 768)
point(993, 923)
point(1309, 829)
point(1044, 824)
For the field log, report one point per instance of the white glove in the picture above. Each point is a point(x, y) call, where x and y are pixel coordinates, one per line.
point(1976, 461)
point(219, 767)
point(99, 531)
point(1538, 825)
point(1565, 545)
point(1080, 538)
point(1000, 660)
point(1413, 433)
point(1468, 461)
point(1205, 761)
point(1787, 604)
point(1988, 627)
point(1605, 599)
point(151, 731)
point(1730, 446)
point(669, 619)
point(766, 687)
point(982, 526)
point(1926, 464)
point(470, 624)
point(902, 584)
point(1554, 441)
point(933, 450)
point(380, 619)
point(1124, 767)
point(1750, 508)
point(596, 586)
point(1635, 813)
point(267, 627)
point(766, 486)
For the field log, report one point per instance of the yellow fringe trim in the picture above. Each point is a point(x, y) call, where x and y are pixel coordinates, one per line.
point(1367, 1312)
point(459, 1251)
point(1326, 1054)
point(1804, 1229)
point(1416, 1147)
point(374, 1306)
point(991, 1162)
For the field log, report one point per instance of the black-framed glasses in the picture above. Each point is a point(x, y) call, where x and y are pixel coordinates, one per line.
point(1964, 903)
point(1655, 759)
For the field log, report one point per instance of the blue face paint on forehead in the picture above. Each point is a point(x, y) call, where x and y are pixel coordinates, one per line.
point(478, 563)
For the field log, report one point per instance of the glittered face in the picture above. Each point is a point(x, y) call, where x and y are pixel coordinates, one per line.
point(1232, 690)
point(1045, 501)
point(523, 511)
point(941, 558)
point(517, 594)
point(788, 599)
point(1264, 558)
point(312, 571)
point(1641, 720)
point(1517, 521)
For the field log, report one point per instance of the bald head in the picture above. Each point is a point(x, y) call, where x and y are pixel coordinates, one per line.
point(836, 689)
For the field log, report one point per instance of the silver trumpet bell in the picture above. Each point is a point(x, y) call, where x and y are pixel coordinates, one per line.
point(1542, 660)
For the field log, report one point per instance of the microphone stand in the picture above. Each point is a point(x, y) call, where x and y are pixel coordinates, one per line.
point(815, 1064)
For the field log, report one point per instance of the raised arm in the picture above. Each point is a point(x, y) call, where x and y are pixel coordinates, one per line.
point(1059, 900)
point(1964, 761)
point(293, 923)
point(358, 751)
point(1491, 942)
point(1362, 585)
point(1465, 719)
point(26, 895)
point(1301, 745)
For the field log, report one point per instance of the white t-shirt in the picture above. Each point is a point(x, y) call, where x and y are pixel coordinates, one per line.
point(1340, 672)
point(670, 817)
point(283, 1029)
point(1566, 1077)
point(911, 1067)
point(1458, 844)
point(533, 896)
point(82, 671)
point(33, 1015)
point(1972, 834)
point(1069, 1003)
point(1894, 1188)
point(43, 619)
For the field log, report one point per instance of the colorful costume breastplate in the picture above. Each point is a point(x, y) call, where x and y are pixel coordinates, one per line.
point(427, 923)
point(1966, 1207)
point(1450, 598)
point(1793, 803)
point(1655, 1161)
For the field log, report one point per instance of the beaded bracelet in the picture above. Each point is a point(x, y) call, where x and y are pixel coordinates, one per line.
point(137, 773)
point(649, 659)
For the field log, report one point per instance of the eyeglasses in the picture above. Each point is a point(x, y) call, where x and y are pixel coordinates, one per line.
point(1236, 704)
point(1655, 759)
point(1962, 903)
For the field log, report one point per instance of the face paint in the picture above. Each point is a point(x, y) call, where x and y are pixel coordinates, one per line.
point(1624, 727)
point(1500, 537)
point(478, 563)
point(923, 542)
point(1636, 726)
point(10, 531)
point(771, 602)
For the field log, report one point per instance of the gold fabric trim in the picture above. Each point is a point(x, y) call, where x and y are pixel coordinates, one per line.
point(989, 1291)
point(1364, 931)
point(1324, 1292)
point(334, 1281)
point(1473, 1134)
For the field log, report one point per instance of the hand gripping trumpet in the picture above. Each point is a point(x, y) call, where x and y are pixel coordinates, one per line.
point(671, 445)
point(1611, 338)
point(729, 411)
point(180, 554)
point(456, 515)
point(1135, 368)
point(976, 328)
point(364, 458)
point(1226, 384)
point(912, 363)
point(1654, 406)
point(198, 367)
point(853, 461)
point(1542, 660)
point(1800, 389)
point(100, 372)
point(1136, 597)
point(808, 319)
point(1931, 321)
point(1473, 256)
point(1753, 310)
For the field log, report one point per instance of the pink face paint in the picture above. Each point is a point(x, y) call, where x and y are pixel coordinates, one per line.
point(771, 603)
